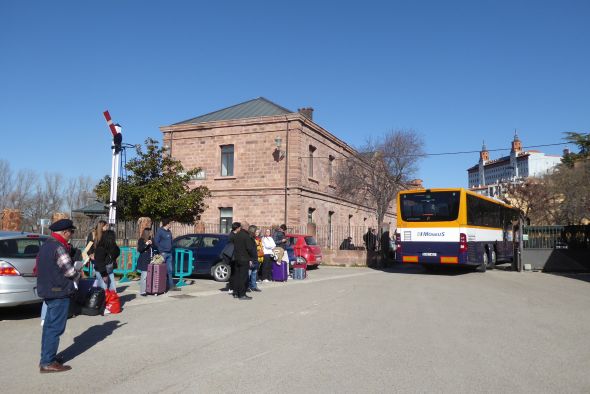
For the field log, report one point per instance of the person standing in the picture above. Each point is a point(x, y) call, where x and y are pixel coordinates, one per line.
point(144, 248)
point(279, 237)
point(55, 284)
point(268, 244)
point(163, 243)
point(244, 254)
point(370, 239)
point(255, 265)
point(105, 255)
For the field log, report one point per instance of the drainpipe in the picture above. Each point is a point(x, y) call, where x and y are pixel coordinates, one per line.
point(286, 167)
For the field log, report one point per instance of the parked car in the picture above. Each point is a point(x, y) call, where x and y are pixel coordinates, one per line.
point(206, 250)
point(18, 254)
point(306, 247)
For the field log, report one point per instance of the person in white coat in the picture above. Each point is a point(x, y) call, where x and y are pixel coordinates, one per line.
point(268, 244)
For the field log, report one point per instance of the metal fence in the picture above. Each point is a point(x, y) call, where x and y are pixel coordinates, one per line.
point(541, 237)
point(328, 237)
point(556, 237)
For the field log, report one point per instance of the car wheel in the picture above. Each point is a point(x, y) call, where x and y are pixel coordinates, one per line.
point(221, 272)
point(484, 265)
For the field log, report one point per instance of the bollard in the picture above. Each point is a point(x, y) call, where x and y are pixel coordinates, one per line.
point(126, 262)
point(179, 264)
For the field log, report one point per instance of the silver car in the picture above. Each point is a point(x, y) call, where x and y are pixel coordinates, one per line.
point(18, 253)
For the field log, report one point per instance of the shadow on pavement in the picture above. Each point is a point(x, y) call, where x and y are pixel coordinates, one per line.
point(21, 312)
point(89, 338)
point(582, 277)
point(121, 289)
point(126, 298)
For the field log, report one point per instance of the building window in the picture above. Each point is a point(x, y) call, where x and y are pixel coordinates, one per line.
point(310, 215)
point(330, 214)
point(331, 167)
point(311, 152)
point(227, 160)
point(225, 219)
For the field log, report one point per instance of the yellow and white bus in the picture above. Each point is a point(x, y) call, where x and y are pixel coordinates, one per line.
point(453, 226)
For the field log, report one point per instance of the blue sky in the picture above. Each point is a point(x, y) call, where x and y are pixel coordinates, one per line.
point(458, 72)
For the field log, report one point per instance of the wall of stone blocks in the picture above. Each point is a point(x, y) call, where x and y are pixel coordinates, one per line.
point(256, 191)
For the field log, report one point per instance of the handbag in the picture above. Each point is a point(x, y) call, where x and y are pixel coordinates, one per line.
point(157, 259)
point(112, 302)
point(228, 251)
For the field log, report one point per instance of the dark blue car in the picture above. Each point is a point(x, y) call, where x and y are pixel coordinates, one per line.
point(206, 250)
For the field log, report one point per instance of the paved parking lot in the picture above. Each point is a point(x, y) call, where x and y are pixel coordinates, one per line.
point(342, 330)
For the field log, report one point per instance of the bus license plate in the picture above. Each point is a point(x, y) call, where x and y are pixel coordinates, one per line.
point(429, 254)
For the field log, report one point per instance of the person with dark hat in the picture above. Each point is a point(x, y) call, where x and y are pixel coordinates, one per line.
point(56, 275)
point(244, 254)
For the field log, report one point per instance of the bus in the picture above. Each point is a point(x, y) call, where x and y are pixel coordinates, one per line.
point(437, 227)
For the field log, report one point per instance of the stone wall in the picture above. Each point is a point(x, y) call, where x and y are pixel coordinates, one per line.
point(257, 190)
point(11, 220)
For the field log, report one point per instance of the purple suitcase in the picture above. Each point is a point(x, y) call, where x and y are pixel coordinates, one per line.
point(156, 279)
point(280, 273)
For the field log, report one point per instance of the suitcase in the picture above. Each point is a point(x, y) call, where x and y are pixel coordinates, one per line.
point(156, 279)
point(280, 273)
point(299, 272)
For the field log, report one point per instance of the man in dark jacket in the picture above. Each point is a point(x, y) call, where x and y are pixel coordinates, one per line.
point(55, 284)
point(163, 242)
point(244, 254)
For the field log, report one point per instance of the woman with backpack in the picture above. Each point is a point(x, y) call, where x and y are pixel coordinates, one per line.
point(145, 249)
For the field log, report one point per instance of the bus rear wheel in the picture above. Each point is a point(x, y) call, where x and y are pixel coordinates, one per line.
point(484, 265)
point(492, 259)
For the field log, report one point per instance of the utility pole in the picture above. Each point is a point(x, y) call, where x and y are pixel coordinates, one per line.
point(115, 167)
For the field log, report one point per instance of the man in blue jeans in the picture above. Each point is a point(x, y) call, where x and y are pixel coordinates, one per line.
point(163, 242)
point(55, 284)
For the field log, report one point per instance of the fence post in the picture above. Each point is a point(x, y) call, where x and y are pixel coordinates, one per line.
point(179, 259)
point(127, 262)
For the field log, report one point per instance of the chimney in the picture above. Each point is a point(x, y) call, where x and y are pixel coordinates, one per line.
point(307, 112)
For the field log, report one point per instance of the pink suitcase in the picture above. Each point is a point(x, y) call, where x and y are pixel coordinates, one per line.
point(156, 279)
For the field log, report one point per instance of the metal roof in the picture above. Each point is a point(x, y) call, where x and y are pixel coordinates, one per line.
point(96, 208)
point(248, 109)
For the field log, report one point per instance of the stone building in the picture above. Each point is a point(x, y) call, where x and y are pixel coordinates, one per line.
point(267, 165)
point(487, 176)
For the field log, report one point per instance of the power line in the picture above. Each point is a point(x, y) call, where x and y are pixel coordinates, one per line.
point(445, 153)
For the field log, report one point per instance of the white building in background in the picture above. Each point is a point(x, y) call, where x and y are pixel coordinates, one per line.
point(486, 176)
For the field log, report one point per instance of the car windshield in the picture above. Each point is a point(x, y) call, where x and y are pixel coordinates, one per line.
point(25, 248)
point(430, 207)
point(311, 241)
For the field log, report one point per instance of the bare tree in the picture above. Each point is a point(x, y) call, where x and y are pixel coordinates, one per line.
point(534, 198)
point(571, 186)
point(380, 169)
point(6, 180)
point(79, 192)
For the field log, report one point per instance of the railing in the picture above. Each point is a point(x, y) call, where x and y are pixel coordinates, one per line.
point(184, 264)
point(126, 263)
point(541, 237)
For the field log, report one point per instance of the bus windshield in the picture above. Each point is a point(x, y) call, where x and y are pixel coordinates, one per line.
point(430, 207)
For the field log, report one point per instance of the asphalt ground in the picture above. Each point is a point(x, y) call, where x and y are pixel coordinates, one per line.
point(345, 330)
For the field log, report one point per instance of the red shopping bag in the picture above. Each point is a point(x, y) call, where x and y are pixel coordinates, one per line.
point(113, 302)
